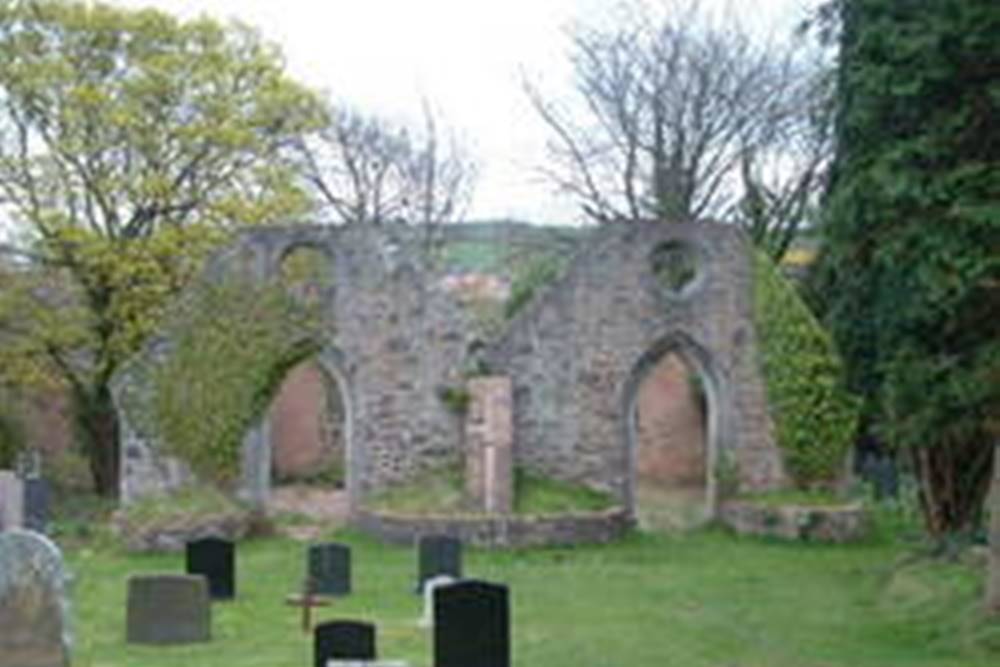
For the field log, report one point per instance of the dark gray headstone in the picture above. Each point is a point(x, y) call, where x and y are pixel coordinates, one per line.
point(215, 559)
point(471, 625)
point(34, 625)
point(885, 478)
point(344, 640)
point(330, 569)
point(168, 609)
point(37, 494)
point(438, 555)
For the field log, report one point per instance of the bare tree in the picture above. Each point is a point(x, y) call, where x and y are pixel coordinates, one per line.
point(783, 176)
point(367, 169)
point(670, 106)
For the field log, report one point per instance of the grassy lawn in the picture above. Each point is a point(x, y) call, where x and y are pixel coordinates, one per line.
point(705, 599)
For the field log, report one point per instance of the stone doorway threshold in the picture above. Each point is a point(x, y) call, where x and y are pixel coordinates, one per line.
point(665, 509)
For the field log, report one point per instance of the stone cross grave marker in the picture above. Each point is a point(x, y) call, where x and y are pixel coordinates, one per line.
point(11, 501)
point(215, 559)
point(438, 555)
point(344, 640)
point(34, 614)
point(168, 609)
point(471, 625)
point(37, 494)
point(329, 568)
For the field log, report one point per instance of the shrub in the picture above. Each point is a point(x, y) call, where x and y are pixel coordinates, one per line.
point(814, 415)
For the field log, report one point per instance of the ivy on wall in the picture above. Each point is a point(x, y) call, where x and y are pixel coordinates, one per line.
point(814, 415)
point(237, 341)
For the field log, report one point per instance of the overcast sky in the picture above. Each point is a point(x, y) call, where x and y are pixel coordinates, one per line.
point(465, 56)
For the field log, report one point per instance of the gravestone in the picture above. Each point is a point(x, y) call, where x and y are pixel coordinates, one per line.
point(36, 504)
point(11, 501)
point(471, 625)
point(343, 640)
point(430, 586)
point(438, 555)
point(168, 609)
point(34, 626)
point(330, 569)
point(215, 559)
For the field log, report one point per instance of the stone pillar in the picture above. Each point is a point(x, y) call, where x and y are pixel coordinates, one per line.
point(11, 500)
point(489, 441)
point(255, 488)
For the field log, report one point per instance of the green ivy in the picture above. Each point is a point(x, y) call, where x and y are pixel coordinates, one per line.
point(814, 415)
point(236, 342)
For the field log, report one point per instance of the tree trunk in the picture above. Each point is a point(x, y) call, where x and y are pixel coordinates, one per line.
point(97, 426)
point(993, 575)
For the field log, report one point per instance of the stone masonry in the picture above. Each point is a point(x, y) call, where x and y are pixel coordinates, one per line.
point(575, 358)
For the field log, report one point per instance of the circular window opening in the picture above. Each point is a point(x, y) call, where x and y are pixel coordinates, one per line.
point(676, 266)
point(305, 271)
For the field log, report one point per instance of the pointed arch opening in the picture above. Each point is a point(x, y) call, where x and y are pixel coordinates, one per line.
point(674, 417)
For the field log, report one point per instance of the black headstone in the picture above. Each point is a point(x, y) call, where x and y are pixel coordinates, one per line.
point(438, 555)
point(36, 504)
point(343, 640)
point(330, 569)
point(471, 625)
point(215, 559)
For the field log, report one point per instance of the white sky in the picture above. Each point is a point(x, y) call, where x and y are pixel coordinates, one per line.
point(465, 56)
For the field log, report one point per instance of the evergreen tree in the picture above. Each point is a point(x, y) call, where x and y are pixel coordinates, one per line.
point(909, 276)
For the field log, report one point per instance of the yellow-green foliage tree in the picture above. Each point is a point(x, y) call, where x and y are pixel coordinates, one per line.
point(130, 143)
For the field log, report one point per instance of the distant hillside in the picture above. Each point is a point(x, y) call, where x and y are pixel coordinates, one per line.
point(500, 247)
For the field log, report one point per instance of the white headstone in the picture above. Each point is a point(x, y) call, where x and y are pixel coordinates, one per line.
point(34, 610)
point(431, 585)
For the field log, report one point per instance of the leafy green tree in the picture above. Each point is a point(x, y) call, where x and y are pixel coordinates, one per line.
point(130, 142)
point(909, 274)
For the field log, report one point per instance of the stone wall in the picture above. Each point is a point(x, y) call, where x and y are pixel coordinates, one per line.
point(579, 352)
point(398, 338)
point(576, 357)
point(499, 531)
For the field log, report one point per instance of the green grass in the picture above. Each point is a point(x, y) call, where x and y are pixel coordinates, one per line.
point(795, 497)
point(706, 599)
point(443, 492)
point(534, 494)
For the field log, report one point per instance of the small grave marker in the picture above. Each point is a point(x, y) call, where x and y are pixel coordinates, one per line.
point(344, 640)
point(215, 559)
point(307, 599)
point(11, 501)
point(471, 625)
point(34, 626)
point(430, 586)
point(168, 609)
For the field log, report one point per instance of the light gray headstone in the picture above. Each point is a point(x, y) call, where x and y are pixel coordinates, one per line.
point(34, 609)
point(11, 500)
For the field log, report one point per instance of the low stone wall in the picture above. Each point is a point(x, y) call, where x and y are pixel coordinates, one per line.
point(829, 523)
point(499, 530)
point(172, 536)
